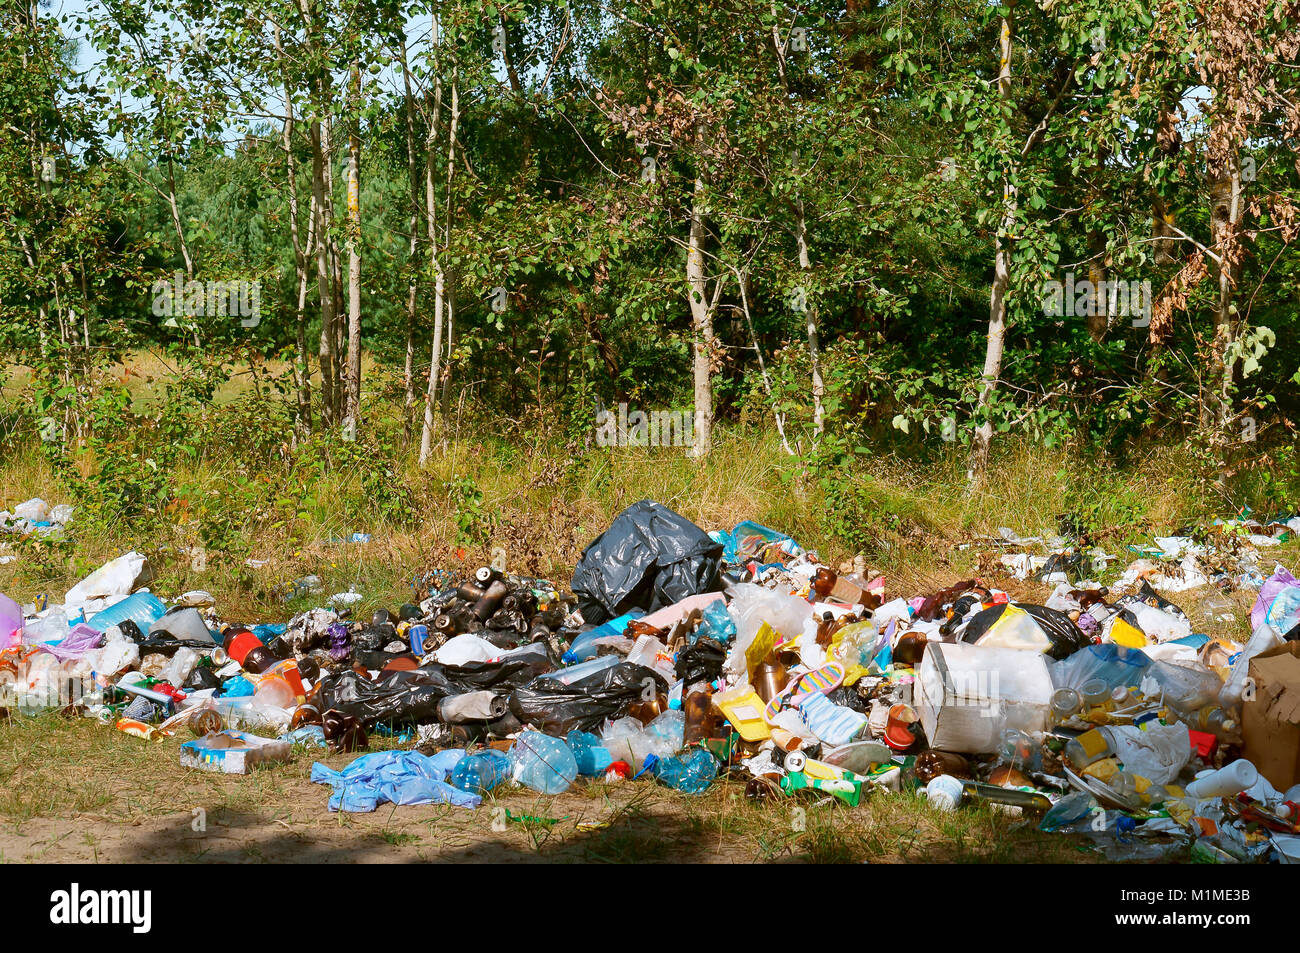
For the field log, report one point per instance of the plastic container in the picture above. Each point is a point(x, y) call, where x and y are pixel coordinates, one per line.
point(1089, 747)
point(1065, 703)
point(142, 608)
point(584, 645)
point(542, 763)
point(480, 772)
point(968, 695)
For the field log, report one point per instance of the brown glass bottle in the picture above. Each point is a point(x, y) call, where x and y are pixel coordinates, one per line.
point(702, 719)
point(823, 582)
point(930, 764)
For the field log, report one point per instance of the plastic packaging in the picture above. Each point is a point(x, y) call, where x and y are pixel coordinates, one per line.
point(116, 577)
point(542, 763)
point(1114, 664)
point(1263, 638)
point(650, 557)
point(1184, 687)
point(180, 666)
point(968, 695)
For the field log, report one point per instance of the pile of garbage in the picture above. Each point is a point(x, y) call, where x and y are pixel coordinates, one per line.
point(691, 659)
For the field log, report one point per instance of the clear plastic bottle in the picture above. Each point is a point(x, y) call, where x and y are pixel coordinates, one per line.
point(481, 771)
point(692, 772)
point(542, 763)
point(1089, 747)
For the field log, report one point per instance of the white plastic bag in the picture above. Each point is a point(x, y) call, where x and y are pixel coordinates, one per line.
point(117, 577)
point(1157, 754)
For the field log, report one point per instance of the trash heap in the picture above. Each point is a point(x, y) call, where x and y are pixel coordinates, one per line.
point(690, 659)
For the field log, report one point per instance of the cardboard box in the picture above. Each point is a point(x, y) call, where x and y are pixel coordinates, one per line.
point(233, 752)
point(1270, 720)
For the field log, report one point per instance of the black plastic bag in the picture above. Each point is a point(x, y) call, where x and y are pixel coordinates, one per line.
point(701, 662)
point(412, 696)
point(650, 557)
point(555, 708)
point(1064, 635)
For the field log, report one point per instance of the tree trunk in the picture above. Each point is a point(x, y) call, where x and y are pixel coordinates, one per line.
point(702, 326)
point(1225, 219)
point(979, 455)
point(352, 415)
point(814, 349)
point(301, 255)
point(413, 253)
point(324, 272)
point(435, 257)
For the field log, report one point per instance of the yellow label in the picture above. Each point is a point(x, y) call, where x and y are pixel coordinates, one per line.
point(760, 648)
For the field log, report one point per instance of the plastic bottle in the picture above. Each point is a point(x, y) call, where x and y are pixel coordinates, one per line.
point(591, 756)
point(1066, 702)
point(584, 645)
point(480, 772)
point(1089, 747)
point(142, 608)
point(692, 772)
point(1068, 811)
point(574, 673)
point(542, 763)
point(932, 764)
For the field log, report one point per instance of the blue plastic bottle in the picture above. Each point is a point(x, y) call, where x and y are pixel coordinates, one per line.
point(481, 771)
point(142, 608)
point(584, 646)
point(692, 772)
